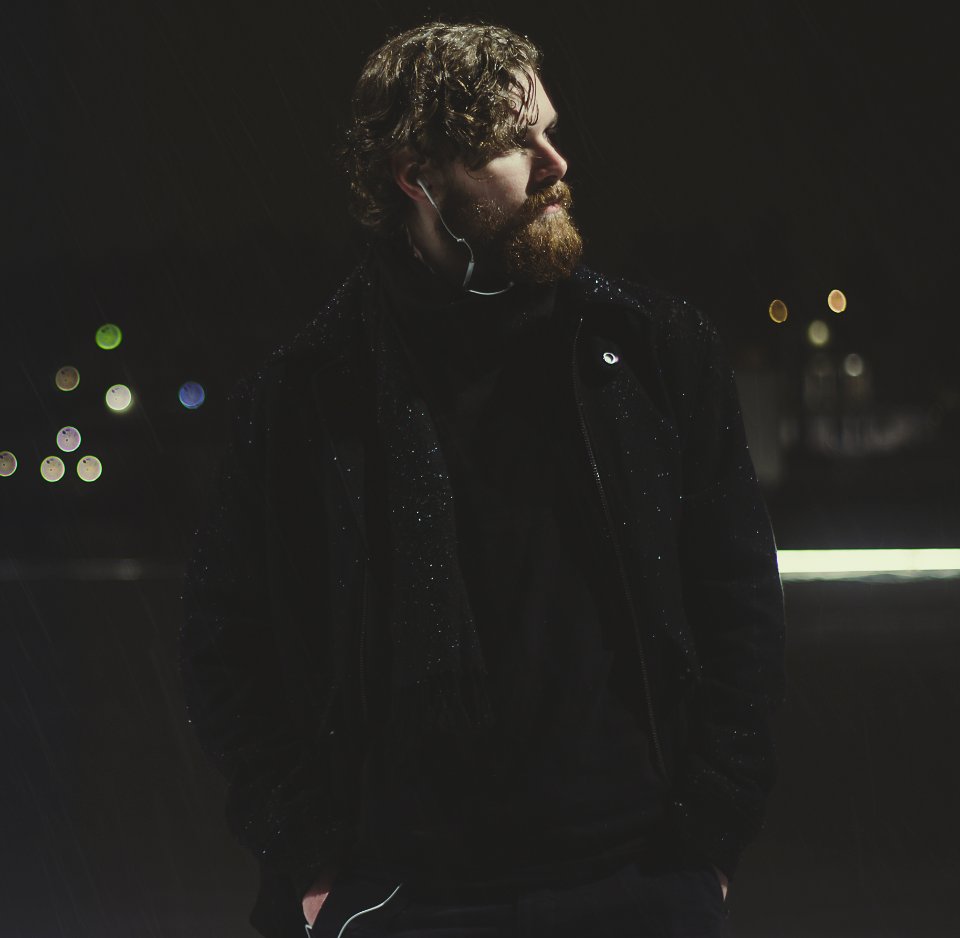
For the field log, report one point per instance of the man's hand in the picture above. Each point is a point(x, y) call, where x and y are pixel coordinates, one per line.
point(315, 896)
point(724, 882)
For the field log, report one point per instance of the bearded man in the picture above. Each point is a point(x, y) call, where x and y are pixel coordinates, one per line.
point(485, 628)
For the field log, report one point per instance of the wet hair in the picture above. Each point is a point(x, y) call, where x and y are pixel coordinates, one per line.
point(446, 91)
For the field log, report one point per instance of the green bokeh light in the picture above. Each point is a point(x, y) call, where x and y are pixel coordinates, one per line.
point(8, 464)
point(109, 336)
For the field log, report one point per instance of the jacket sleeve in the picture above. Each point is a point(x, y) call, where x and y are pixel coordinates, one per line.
point(283, 801)
point(733, 601)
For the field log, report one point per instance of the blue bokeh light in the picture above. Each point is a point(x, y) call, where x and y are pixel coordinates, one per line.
point(191, 395)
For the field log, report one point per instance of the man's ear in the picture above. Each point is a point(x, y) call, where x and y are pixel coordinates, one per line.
point(407, 167)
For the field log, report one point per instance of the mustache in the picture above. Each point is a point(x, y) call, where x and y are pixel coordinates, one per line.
point(559, 193)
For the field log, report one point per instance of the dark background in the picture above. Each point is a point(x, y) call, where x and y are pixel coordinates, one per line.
point(167, 166)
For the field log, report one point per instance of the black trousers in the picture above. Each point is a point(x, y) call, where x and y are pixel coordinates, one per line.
point(629, 903)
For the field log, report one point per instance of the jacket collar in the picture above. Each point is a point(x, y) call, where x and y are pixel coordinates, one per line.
point(330, 334)
point(342, 391)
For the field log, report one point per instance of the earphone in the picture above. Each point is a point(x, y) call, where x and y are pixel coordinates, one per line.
point(456, 238)
point(463, 241)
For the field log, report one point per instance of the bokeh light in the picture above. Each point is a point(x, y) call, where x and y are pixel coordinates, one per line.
point(52, 469)
point(778, 311)
point(853, 365)
point(118, 397)
point(8, 464)
point(89, 468)
point(109, 336)
point(67, 378)
point(837, 301)
point(191, 395)
point(818, 333)
point(68, 439)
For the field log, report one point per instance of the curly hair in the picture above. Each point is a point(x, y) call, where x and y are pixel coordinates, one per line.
point(446, 91)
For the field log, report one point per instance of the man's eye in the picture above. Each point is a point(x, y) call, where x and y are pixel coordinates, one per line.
point(530, 143)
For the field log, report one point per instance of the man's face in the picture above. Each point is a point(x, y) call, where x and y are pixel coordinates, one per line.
point(515, 210)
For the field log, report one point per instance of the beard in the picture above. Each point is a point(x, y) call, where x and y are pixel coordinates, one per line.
point(525, 245)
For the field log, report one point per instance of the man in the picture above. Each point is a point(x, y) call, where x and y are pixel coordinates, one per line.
point(486, 627)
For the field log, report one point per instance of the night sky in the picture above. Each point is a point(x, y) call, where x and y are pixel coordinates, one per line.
point(170, 170)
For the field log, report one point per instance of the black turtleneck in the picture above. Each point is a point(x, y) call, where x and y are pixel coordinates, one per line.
point(565, 787)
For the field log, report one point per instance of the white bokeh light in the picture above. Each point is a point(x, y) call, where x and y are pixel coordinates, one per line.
point(68, 439)
point(853, 365)
point(89, 468)
point(118, 397)
point(52, 469)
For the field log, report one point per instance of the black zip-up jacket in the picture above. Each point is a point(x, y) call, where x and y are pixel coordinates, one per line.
point(284, 678)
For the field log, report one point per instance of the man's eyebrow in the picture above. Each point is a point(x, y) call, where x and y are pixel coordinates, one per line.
point(551, 126)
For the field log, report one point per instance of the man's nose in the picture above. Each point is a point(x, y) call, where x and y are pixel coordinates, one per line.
point(550, 167)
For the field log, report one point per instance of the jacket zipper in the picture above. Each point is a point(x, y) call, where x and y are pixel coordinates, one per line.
point(620, 565)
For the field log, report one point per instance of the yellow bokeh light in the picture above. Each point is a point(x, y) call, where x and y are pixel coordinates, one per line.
point(8, 464)
point(818, 333)
point(837, 301)
point(778, 311)
point(67, 378)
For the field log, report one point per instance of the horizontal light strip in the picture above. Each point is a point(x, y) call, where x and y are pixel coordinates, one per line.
point(856, 564)
point(794, 565)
